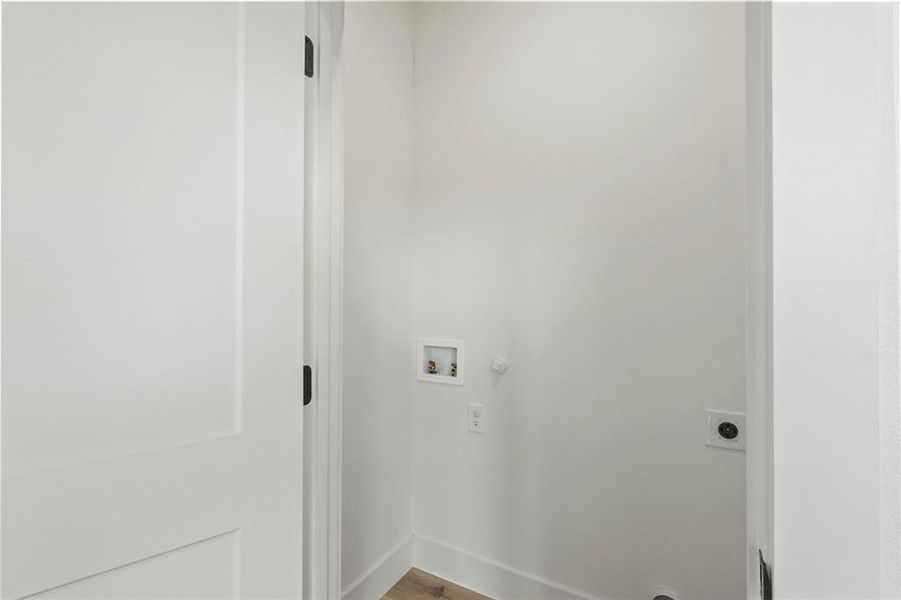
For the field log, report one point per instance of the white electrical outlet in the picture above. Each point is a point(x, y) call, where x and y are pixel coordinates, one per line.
point(476, 418)
point(726, 429)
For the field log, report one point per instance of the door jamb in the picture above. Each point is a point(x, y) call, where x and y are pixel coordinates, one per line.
point(759, 295)
point(326, 306)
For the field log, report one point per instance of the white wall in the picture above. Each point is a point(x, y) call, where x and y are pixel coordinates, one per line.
point(579, 207)
point(835, 301)
point(378, 352)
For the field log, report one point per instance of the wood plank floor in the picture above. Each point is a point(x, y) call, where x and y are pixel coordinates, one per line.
point(419, 585)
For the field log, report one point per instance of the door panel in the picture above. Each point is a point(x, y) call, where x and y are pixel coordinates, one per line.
point(211, 566)
point(122, 226)
point(152, 275)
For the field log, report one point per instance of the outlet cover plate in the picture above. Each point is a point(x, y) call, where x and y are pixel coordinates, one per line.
point(475, 416)
point(715, 440)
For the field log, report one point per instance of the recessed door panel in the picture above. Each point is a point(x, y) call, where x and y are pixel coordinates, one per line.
point(122, 231)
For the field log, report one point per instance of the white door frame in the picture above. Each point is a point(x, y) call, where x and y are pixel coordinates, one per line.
point(759, 293)
point(326, 211)
point(836, 410)
point(327, 302)
point(774, 404)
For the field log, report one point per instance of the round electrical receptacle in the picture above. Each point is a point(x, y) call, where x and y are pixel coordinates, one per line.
point(727, 430)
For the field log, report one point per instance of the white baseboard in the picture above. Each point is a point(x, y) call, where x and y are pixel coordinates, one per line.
point(486, 576)
point(382, 576)
point(459, 566)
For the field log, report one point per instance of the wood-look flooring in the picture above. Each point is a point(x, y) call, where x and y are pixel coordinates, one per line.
point(419, 585)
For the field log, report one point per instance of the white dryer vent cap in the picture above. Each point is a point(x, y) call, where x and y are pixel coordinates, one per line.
point(499, 365)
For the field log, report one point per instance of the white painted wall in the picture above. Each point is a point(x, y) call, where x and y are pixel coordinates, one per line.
point(580, 209)
point(835, 301)
point(378, 352)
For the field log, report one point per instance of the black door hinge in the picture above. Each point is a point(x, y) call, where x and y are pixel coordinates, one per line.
point(307, 384)
point(308, 57)
point(766, 584)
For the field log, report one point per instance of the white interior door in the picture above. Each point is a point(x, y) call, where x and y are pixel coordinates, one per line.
point(152, 277)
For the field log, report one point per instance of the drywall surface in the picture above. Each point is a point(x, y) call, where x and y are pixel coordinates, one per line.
point(580, 209)
point(378, 351)
point(835, 301)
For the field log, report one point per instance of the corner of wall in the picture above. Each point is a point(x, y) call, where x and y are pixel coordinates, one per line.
point(382, 576)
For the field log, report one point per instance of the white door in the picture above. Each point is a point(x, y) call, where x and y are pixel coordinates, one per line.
point(152, 269)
